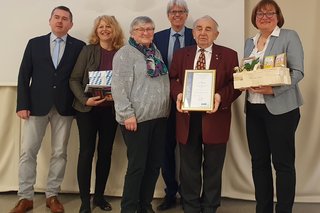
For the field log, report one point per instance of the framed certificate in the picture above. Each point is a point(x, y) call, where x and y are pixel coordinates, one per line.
point(198, 90)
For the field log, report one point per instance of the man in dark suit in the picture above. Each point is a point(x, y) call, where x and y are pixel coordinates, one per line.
point(44, 96)
point(167, 41)
point(203, 135)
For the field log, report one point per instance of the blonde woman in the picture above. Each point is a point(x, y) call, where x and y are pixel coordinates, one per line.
point(95, 115)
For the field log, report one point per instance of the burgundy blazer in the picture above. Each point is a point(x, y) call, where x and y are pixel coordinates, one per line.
point(215, 126)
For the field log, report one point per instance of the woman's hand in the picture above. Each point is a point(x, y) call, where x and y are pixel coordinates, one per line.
point(131, 124)
point(244, 89)
point(265, 90)
point(108, 98)
point(95, 101)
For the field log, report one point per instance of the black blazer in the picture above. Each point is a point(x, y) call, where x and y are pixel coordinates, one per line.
point(40, 85)
point(161, 40)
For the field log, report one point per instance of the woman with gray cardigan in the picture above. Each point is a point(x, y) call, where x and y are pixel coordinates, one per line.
point(140, 89)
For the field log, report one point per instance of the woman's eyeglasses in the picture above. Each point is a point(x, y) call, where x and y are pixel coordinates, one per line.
point(142, 30)
point(267, 14)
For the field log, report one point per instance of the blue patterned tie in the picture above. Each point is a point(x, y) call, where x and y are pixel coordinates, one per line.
point(176, 42)
point(56, 51)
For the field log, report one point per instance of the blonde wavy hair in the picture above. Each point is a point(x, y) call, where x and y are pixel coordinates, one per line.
point(117, 33)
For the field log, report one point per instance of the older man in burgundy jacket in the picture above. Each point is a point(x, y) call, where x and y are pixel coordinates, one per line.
point(203, 135)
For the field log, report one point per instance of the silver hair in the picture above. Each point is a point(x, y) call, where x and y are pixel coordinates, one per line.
point(207, 17)
point(140, 20)
point(179, 3)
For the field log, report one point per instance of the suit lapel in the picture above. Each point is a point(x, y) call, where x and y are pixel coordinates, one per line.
point(166, 44)
point(191, 55)
point(188, 37)
point(46, 50)
point(66, 51)
point(270, 46)
point(215, 57)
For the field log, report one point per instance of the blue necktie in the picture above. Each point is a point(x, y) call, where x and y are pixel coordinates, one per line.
point(56, 51)
point(176, 42)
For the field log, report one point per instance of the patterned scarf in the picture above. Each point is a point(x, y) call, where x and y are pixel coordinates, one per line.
point(155, 66)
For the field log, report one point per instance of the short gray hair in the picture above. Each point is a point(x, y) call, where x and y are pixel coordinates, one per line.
point(179, 3)
point(208, 18)
point(140, 20)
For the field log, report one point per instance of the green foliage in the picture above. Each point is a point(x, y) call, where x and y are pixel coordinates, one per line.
point(250, 66)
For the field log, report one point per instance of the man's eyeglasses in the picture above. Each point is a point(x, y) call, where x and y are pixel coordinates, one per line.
point(177, 12)
point(267, 14)
point(142, 30)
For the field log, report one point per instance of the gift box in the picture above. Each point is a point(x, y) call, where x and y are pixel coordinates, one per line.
point(99, 83)
point(101, 78)
point(275, 76)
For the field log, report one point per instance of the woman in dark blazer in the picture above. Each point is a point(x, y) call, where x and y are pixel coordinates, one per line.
point(95, 114)
point(272, 113)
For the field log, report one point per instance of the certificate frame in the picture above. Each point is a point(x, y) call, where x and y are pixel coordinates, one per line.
point(198, 90)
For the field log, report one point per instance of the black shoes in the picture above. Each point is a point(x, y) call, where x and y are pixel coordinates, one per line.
point(102, 203)
point(147, 210)
point(167, 204)
point(85, 208)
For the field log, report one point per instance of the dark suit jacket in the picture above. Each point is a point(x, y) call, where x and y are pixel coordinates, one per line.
point(161, 40)
point(40, 85)
point(215, 126)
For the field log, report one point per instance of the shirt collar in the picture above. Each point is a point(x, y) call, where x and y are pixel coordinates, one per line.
point(181, 32)
point(53, 37)
point(208, 49)
point(275, 33)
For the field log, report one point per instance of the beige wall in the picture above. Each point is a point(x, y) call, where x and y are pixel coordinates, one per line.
point(300, 16)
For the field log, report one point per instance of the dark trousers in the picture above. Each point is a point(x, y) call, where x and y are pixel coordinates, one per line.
point(271, 138)
point(168, 169)
point(145, 149)
point(200, 168)
point(101, 121)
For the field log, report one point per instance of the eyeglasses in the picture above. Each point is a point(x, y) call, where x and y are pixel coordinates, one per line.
point(177, 12)
point(142, 30)
point(267, 14)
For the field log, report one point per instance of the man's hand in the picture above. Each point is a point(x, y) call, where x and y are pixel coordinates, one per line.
point(217, 101)
point(23, 114)
point(179, 103)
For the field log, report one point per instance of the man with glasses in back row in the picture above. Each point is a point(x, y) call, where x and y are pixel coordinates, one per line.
point(167, 41)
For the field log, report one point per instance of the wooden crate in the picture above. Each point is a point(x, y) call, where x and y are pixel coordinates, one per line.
point(262, 77)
